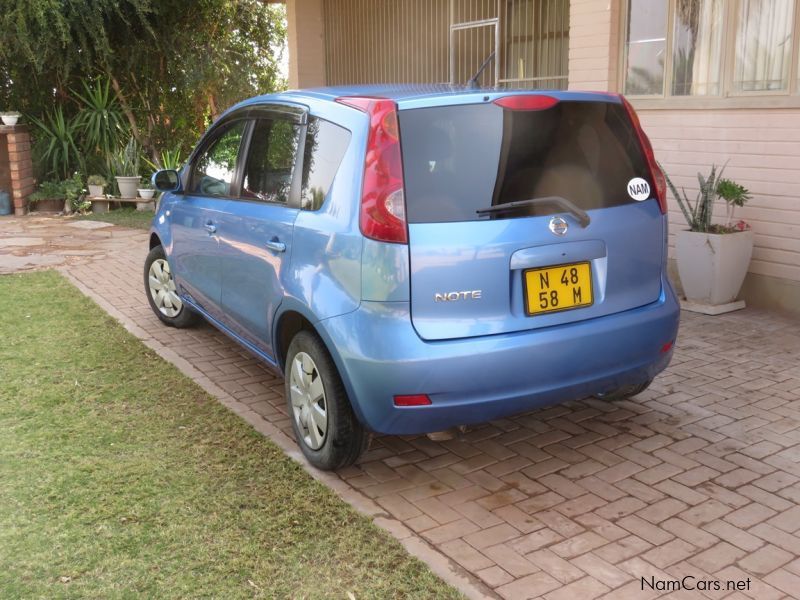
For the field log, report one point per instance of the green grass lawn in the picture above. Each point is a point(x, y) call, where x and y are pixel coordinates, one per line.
point(121, 478)
point(126, 217)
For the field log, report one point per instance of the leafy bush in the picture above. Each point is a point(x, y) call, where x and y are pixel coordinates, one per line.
point(48, 190)
point(70, 190)
point(96, 180)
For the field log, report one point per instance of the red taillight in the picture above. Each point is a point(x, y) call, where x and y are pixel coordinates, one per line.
point(383, 206)
point(659, 182)
point(527, 102)
point(666, 347)
point(412, 400)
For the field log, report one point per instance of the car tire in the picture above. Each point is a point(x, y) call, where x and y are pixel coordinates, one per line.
point(624, 392)
point(325, 427)
point(162, 296)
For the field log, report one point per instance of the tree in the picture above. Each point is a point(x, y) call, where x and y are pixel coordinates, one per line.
point(174, 65)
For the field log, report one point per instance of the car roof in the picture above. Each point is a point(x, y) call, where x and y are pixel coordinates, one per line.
point(403, 93)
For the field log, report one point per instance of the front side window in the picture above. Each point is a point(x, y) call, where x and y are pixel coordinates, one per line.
point(326, 144)
point(213, 171)
point(270, 161)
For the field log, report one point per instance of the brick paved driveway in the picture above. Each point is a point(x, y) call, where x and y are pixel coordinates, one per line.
point(699, 475)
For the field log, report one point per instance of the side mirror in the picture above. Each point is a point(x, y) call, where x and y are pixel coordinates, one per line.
point(166, 180)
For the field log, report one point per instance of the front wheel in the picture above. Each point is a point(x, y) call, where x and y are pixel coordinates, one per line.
point(324, 425)
point(161, 292)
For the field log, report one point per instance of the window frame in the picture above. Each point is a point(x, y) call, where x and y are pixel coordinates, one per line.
point(727, 98)
point(295, 113)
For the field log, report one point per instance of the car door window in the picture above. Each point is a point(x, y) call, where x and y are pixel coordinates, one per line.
point(270, 160)
point(325, 146)
point(214, 170)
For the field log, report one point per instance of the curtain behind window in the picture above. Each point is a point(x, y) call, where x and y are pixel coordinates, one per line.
point(763, 45)
point(697, 47)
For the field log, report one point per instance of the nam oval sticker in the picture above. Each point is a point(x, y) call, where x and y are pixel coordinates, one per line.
point(638, 189)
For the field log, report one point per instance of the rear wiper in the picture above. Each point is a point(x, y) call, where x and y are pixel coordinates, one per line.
point(581, 215)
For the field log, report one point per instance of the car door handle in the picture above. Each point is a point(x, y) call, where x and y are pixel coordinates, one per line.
point(210, 228)
point(276, 246)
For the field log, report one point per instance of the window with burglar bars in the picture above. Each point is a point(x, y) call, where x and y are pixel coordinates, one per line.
point(442, 41)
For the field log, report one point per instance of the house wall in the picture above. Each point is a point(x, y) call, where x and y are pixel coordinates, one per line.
point(593, 44)
point(306, 41)
point(762, 147)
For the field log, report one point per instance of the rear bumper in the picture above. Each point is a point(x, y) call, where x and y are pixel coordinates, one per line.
point(475, 380)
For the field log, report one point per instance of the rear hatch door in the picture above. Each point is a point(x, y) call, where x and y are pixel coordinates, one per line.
point(521, 218)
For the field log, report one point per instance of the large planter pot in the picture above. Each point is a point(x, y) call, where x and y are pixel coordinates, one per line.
point(95, 191)
point(127, 186)
point(712, 266)
point(48, 205)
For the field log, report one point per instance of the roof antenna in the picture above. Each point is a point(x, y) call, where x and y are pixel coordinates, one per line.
point(473, 82)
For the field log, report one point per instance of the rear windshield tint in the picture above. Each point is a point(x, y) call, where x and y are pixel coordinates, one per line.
point(459, 159)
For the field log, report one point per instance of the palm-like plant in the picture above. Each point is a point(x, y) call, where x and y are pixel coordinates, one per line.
point(168, 159)
point(100, 118)
point(56, 138)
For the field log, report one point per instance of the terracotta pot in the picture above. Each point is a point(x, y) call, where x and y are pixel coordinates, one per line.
point(48, 205)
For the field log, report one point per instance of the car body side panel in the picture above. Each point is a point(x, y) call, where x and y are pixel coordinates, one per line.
point(254, 276)
point(325, 270)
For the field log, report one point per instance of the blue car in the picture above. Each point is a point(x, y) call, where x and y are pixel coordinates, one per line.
point(414, 258)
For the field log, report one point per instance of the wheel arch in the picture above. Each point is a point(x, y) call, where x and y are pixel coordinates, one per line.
point(293, 319)
point(154, 240)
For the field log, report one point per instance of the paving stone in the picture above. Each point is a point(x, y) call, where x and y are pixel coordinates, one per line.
point(699, 475)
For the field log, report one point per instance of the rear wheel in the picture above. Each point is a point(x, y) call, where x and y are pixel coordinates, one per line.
point(162, 294)
point(324, 425)
point(624, 392)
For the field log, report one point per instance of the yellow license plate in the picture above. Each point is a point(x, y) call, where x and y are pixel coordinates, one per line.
point(564, 287)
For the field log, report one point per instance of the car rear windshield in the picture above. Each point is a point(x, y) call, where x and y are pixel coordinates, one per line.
point(460, 159)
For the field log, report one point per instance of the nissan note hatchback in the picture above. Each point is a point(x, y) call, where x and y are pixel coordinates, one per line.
point(415, 258)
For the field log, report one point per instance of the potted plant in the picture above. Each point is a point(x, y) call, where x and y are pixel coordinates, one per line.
point(146, 190)
point(712, 258)
point(96, 185)
point(10, 118)
point(126, 169)
point(49, 197)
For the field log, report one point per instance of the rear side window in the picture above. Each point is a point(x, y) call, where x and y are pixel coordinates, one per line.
point(459, 159)
point(326, 144)
point(270, 160)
